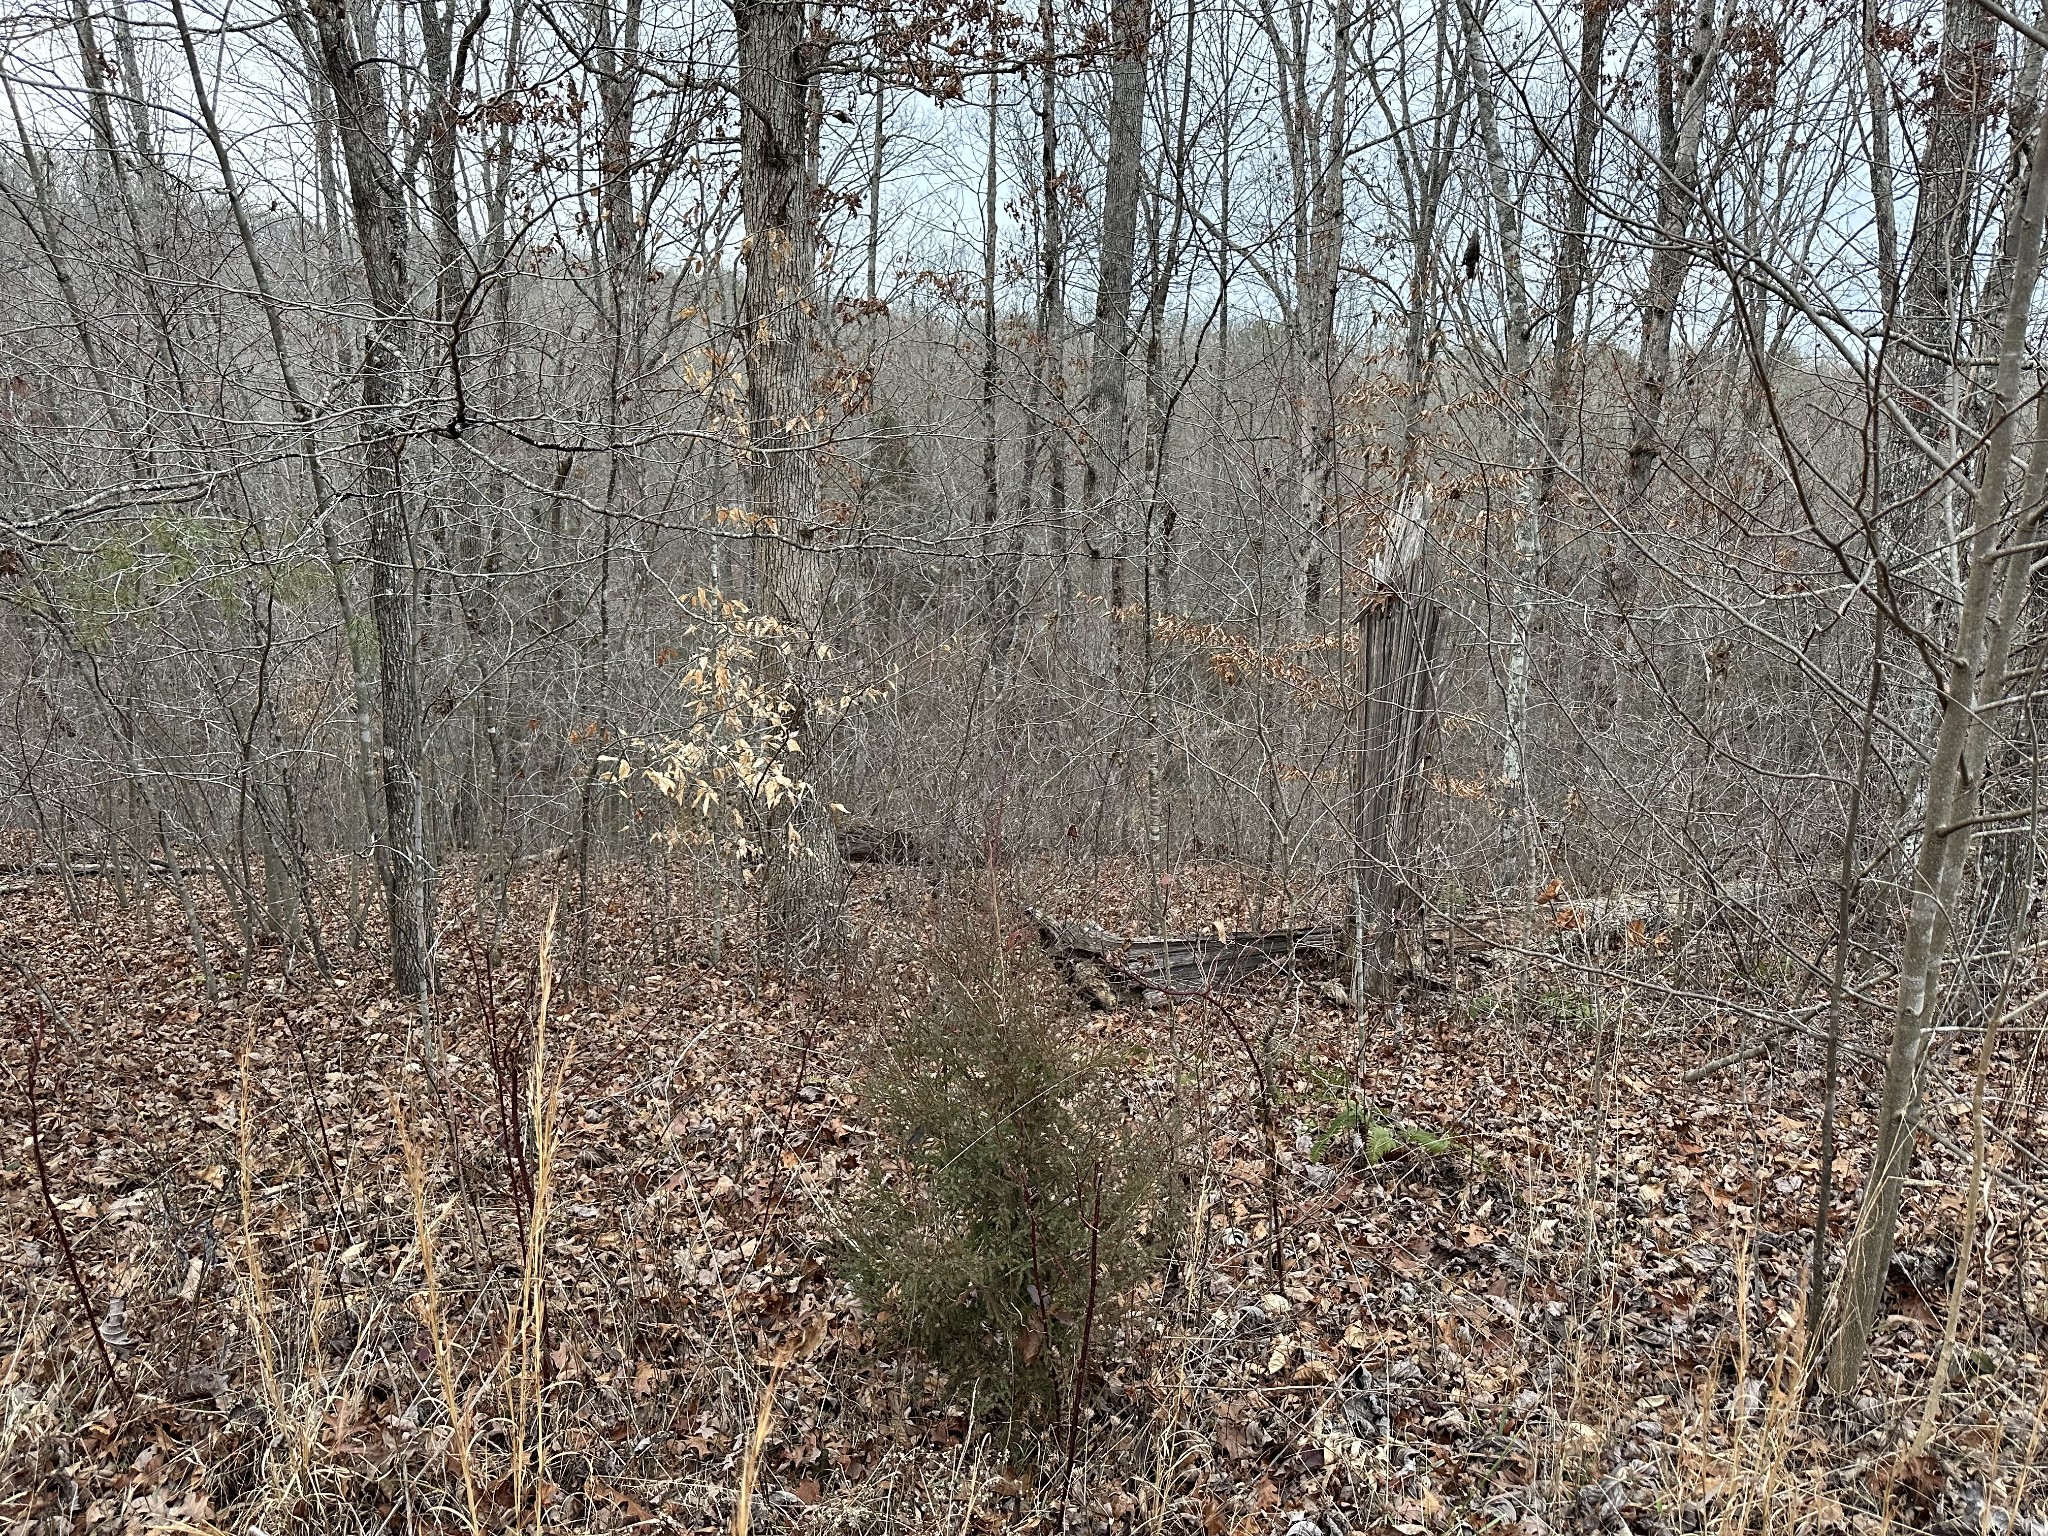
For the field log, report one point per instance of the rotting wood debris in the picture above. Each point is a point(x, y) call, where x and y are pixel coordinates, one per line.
point(1110, 970)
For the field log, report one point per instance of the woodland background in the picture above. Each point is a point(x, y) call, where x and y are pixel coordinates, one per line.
point(1512, 530)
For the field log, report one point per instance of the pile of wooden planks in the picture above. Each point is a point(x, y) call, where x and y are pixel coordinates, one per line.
point(1110, 969)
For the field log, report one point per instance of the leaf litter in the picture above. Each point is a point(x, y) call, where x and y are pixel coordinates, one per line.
point(358, 1271)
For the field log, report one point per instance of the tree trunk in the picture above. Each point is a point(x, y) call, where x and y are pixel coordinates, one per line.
point(1993, 599)
point(1397, 635)
point(378, 204)
point(1925, 333)
point(1587, 118)
point(1044, 434)
point(778, 320)
point(1316, 125)
point(1681, 119)
point(1106, 409)
point(1522, 407)
point(1000, 576)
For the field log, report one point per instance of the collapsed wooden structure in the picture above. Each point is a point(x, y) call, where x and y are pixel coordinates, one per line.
point(1110, 970)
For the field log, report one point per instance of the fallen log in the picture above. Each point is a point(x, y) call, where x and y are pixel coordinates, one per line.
point(867, 843)
point(1110, 969)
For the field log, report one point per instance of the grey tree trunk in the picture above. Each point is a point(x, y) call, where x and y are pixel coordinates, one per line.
point(778, 321)
point(377, 203)
point(1994, 594)
point(1681, 119)
point(1523, 408)
point(325, 513)
point(1924, 335)
point(1587, 120)
point(1397, 639)
point(1315, 123)
point(1106, 409)
point(1000, 575)
point(1044, 433)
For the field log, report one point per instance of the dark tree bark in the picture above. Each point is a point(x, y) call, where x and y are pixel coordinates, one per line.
point(778, 321)
point(1587, 119)
point(1044, 435)
point(377, 202)
point(1681, 119)
point(1397, 641)
point(1925, 332)
point(1106, 413)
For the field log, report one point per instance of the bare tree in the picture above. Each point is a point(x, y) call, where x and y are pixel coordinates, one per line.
point(363, 127)
point(778, 58)
point(1316, 126)
point(1106, 408)
point(1682, 86)
point(1972, 691)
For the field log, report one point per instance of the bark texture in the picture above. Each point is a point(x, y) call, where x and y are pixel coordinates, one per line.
point(1994, 595)
point(377, 203)
point(778, 319)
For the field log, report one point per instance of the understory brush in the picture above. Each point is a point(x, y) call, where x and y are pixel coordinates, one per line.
point(940, 1252)
point(1022, 1196)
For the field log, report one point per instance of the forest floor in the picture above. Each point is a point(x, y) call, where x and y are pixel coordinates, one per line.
point(1579, 1315)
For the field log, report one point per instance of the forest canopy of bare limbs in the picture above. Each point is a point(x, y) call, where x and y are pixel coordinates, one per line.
point(1304, 526)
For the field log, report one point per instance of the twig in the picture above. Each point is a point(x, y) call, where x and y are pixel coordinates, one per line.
point(1789, 1025)
point(1845, 912)
point(1038, 1285)
point(1734, 1058)
point(507, 1074)
point(333, 1168)
point(49, 1009)
point(35, 1141)
point(1087, 1337)
point(1267, 1122)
